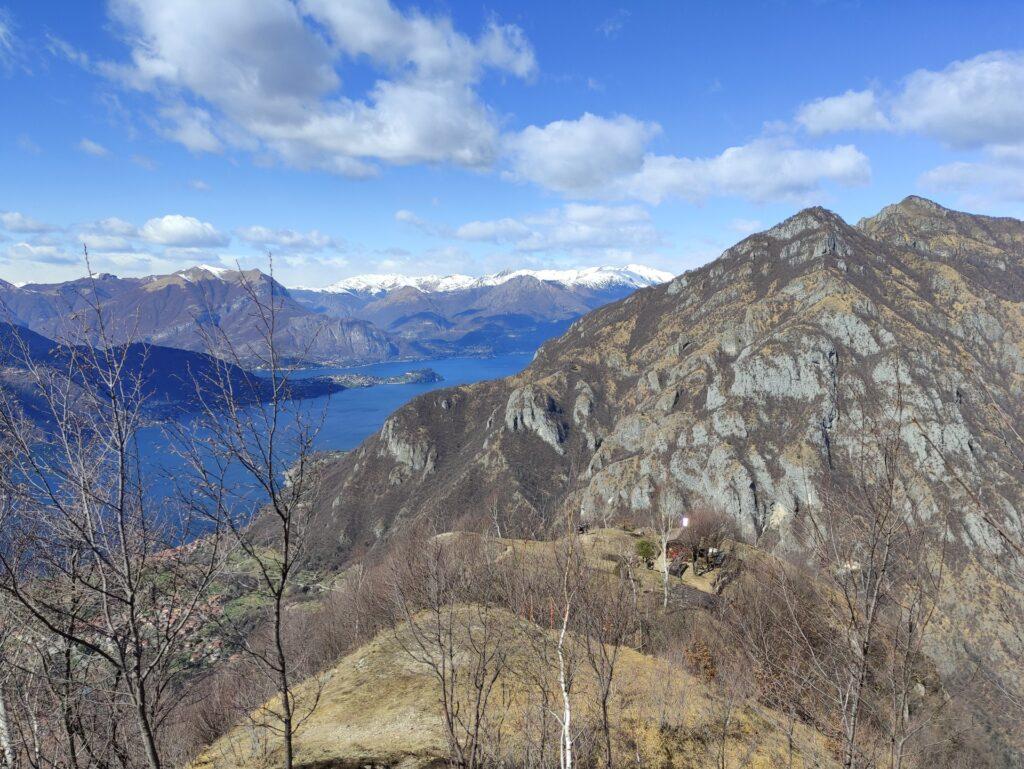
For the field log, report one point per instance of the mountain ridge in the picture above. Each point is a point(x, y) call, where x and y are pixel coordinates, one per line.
point(184, 308)
point(509, 312)
point(730, 349)
point(636, 275)
point(752, 384)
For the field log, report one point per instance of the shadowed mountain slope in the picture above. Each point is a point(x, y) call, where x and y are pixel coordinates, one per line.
point(176, 310)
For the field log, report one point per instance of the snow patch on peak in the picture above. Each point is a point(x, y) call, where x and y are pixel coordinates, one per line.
point(376, 283)
point(631, 276)
point(199, 272)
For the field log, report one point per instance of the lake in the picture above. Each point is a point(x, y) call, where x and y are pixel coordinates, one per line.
point(354, 414)
point(349, 416)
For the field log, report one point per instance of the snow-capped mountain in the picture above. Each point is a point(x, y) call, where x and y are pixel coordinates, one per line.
point(376, 283)
point(630, 276)
point(459, 314)
point(600, 278)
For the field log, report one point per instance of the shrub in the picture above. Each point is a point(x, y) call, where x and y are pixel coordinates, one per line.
point(646, 550)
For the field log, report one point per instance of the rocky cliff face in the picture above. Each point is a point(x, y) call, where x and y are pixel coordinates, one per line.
point(743, 384)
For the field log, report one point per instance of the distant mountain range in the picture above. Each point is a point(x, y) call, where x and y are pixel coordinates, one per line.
point(359, 320)
point(461, 315)
point(632, 275)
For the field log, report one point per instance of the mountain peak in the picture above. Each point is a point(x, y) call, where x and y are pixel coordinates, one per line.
point(911, 208)
point(807, 221)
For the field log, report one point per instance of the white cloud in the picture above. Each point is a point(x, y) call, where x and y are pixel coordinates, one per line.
point(571, 228)
point(970, 103)
point(975, 103)
point(408, 217)
point(976, 182)
point(13, 221)
point(411, 218)
point(98, 242)
point(43, 254)
point(107, 236)
point(89, 147)
point(853, 110)
point(287, 240)
point(613, 25)
point(265, 77)
point(199, 185)
point(191, 127)
point(182, 231)
point(607, 158)
point(8, 42)
point(761, 171)
point(495, 231)
point(583, 156)
point(112, 225)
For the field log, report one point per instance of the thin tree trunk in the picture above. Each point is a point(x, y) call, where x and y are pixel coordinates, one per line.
point(563, 685)
point(284, 685)
point(5, 733)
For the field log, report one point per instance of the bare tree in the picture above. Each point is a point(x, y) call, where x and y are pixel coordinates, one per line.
point(608, 620)
point(706, 529)
point(253, 473)
point(666, 518)
point(454, 628)
point(87, 555)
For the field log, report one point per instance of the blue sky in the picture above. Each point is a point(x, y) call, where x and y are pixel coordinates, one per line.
point(352, 136)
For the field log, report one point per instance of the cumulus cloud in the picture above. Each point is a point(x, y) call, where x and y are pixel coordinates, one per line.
point(182, 231)
point(853, 110)
point(287, 240)
point(581, 156)
point(267, 76)
point(975, 103)
point(608, 158)
point(89, 147)
point(571, 228)
point(14, 221)
point(761, 171)
point(970, 103)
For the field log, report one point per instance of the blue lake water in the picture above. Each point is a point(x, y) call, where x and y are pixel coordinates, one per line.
point(348, 416)
point(354, 414)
